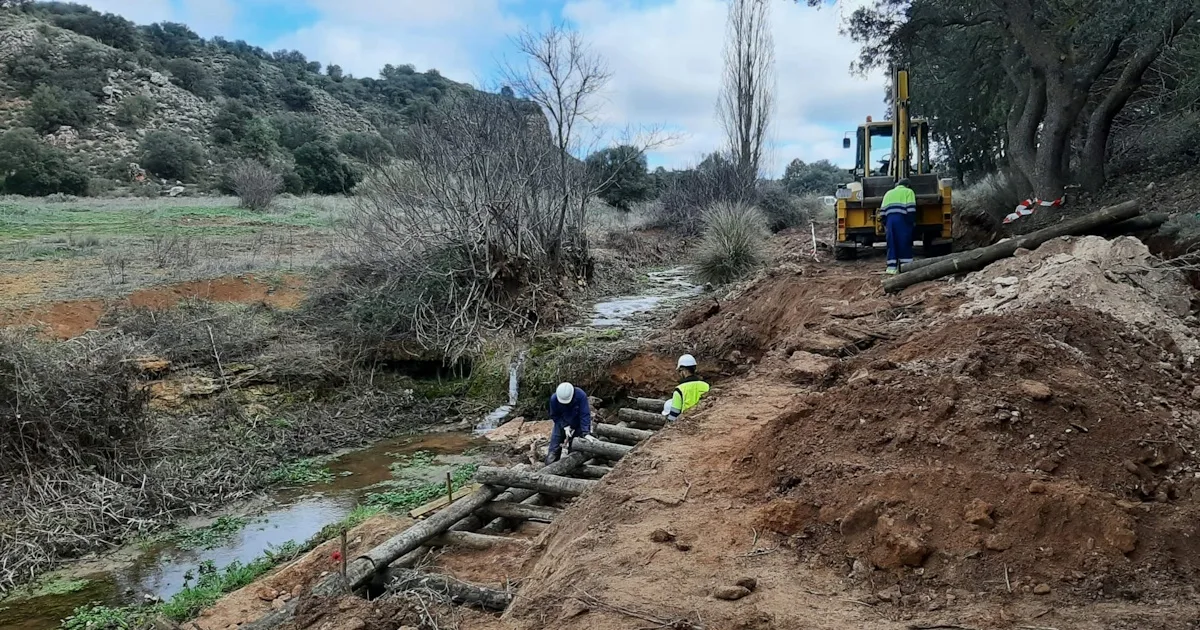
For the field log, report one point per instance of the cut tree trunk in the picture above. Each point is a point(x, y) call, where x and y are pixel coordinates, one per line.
point(621, 434)
point(593, 472)
point(401, 580)
point(606, 450)
point(542, 482)
point(649, 404)
point(471, 540)
point(984, 256)
point(644, 418)
point(520, 511)
point(408, 546)
point(1137, 224)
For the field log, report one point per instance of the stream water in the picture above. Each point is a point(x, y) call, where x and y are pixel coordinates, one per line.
point(158, 571)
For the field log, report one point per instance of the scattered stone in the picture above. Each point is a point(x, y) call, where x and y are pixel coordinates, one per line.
point(747, 583)
point(807, 367)
point(731, 593)
point(175, 191)
point(979, 512)
point(1037, 487)
point(1006, 281)
point(891, 594)
point(862, 517)
point(267, 594)
point(682, 546)
point(157, 78)
point(573, 608)
point(1042, 589)
point(1036, 390)
point(1125, 540)
point(997, 542)
point(662, 536)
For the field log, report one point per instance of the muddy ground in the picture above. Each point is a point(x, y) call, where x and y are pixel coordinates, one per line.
point(1012, 450)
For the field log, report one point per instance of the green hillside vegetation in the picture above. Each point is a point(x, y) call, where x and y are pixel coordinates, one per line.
point(85, 95)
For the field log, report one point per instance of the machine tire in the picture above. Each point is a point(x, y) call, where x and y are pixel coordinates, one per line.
point(845, 253)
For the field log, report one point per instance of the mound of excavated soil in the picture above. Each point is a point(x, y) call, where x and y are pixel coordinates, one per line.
point(972, 455)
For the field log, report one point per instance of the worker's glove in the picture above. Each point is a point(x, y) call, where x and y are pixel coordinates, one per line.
point(667, 408)
point(569, 434)
point(588, 437)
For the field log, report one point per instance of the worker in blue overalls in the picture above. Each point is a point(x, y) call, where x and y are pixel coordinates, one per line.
point(899, 218)
point(572, 416)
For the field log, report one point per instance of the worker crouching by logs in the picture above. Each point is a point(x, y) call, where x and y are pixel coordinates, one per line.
point(691, 388)
point(572, 416)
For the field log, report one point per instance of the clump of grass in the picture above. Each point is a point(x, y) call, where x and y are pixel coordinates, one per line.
point(419, 459)
point(212, 536)
point(733, 242)
point(301, 472)
point(356, 517)
point(49, 585)
point(402, 500)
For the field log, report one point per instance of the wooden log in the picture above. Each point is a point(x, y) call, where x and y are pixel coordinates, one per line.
point(472, 540)
point(400, 580)
point(1148, 221)
point(500, 524)
point(983, 256)
point(637, 416)
point(592, 472)
point(542, 482)
point(649, 404)
point(520, 511)
point(621, 434)
point(518, 495)
point(407, 545)
point(598, 448)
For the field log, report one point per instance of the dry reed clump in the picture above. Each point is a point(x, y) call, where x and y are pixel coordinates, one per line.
point(732, 245)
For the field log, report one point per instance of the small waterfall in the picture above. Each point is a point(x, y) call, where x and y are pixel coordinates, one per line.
point(499, 414)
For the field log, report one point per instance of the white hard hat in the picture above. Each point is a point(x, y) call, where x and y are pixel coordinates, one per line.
point(686, 360)
point(564, 393)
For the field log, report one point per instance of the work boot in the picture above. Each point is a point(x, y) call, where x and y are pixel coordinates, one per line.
point(891, 271)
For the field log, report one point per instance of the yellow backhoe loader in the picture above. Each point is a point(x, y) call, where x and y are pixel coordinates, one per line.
point(886, 152)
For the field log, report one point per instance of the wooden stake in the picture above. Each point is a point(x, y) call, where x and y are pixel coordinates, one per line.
point(449, 488)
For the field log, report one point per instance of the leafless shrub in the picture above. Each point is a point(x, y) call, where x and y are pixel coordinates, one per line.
point(255, 184)
point(178, 251)
point(116, 262)
point(716, 179)
point(68, 404)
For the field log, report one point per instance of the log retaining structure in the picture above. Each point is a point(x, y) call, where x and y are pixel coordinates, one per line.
point(473, 521)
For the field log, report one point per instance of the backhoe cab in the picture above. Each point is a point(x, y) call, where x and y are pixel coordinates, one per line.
point(886, 152)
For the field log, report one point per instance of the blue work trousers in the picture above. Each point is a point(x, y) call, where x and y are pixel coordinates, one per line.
point(899, 230)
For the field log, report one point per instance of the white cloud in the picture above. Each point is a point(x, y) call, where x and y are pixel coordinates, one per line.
point(666, 65)
point(454, 36)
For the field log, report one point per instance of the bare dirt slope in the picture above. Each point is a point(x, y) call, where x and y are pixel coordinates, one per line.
point(909, 461)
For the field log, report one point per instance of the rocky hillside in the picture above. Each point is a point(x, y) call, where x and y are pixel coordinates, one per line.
point(92, 104)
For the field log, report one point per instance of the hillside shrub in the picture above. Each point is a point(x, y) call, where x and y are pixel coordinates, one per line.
point(35, 169)
point(368, 147)
point(135, 110)
point(230, 124)
point(170, 39)
point(780, 208)
point(259, 140)
point(686, 194)
point(323, 170)
point(296, 130)
point(734, 235)
point(170, 155)
point(243, 80)
point(51, 107)
point(298, 98)
point(106, 28)
point(191, 76)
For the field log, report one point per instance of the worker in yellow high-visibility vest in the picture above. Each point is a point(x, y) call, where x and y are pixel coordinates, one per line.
point(899, 217)
point(689, 391)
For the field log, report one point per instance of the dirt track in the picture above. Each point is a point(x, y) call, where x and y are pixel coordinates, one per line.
point(892, 462)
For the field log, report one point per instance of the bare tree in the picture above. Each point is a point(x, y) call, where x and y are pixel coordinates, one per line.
point(747, 97)
point(562, 76)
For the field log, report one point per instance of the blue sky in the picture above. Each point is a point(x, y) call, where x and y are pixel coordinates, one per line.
point(664, 56)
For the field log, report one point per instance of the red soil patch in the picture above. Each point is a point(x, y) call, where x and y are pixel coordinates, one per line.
point(72, 318)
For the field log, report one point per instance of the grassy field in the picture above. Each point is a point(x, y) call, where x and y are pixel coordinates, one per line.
point(94, 248)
